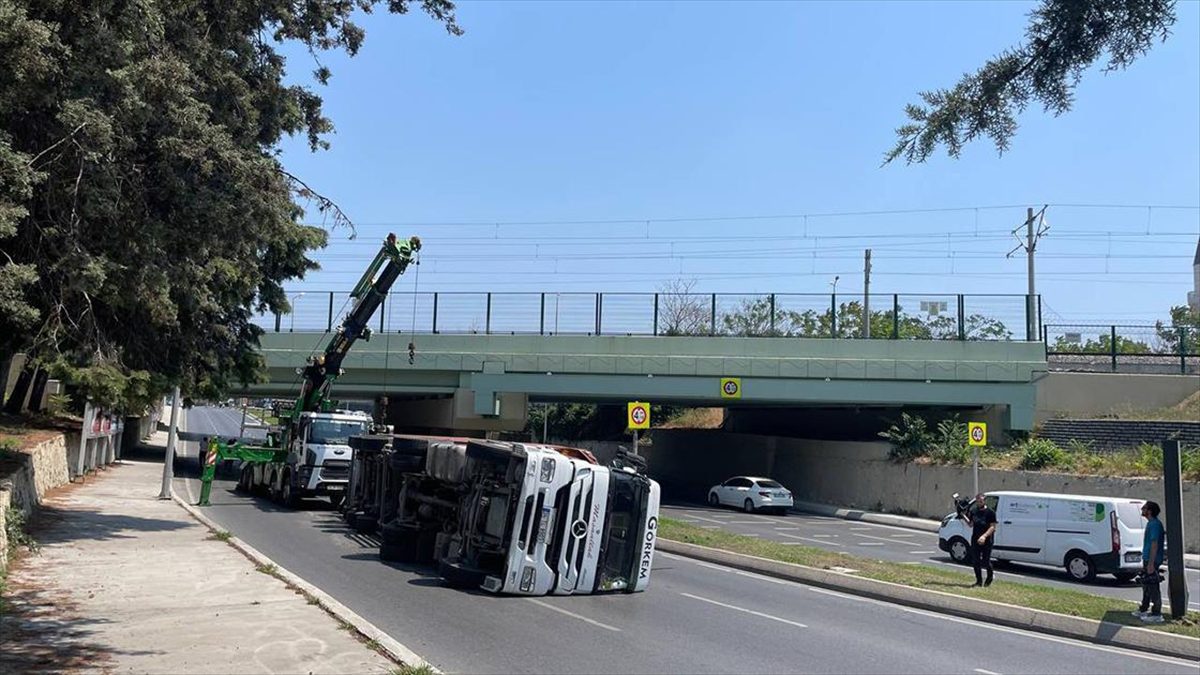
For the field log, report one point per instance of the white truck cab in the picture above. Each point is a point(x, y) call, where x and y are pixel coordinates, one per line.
point(317, 462)
point(581, 528)
point(1085, 535)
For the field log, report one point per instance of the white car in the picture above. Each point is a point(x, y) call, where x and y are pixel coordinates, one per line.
point(751, 493)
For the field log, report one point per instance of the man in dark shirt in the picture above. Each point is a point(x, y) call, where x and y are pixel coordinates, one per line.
point(983, 530)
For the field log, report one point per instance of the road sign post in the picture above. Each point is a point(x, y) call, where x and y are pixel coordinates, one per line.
point(976, 438)
point(638, 417)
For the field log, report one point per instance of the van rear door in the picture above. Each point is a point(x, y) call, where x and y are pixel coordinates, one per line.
point(1021, 528)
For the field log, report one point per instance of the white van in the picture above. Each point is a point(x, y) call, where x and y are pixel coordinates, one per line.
point(1085, 535)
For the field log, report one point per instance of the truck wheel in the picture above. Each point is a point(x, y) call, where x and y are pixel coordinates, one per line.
point(272, 489)
point(399, 552)
point(287, 493)
point(244, 480)
point(366, 523)
point(457, 575)
point(336, 500)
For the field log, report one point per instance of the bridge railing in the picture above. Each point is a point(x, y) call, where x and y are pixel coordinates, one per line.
point(894, 316)
point(1147, 348)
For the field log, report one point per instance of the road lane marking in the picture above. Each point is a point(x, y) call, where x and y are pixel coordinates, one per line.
point(573, 615)
point(845, 596)
point(742, 522)
point(860, 529)
point(922, 552)
point(823, 542)
point(869, 543)
point(986, 672)
point(719, 568)
point(786, 528)
point(1004, 629)
point(883, 539)
point(824, 536)
point(743, 609)
point(906, 534)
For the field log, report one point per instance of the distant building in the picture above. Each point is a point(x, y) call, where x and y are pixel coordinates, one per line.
point(1194, 296)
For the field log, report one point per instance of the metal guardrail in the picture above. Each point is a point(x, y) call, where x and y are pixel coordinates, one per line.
point(1123, 348)
point(892, 316)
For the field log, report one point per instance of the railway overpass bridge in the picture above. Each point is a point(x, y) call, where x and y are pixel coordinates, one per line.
point(485, 382)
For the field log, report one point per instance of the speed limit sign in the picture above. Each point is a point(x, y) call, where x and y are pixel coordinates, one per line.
point(977, 432)
point(639, 415)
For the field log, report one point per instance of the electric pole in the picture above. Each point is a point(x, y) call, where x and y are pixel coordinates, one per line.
point(1030, 245)
point(867, 295)
point(172, 439)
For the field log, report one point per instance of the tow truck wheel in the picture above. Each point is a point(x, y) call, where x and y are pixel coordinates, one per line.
point(457, 575)
point(244, 480)
point(336, 500)
point(287, 494)
point(273, 488)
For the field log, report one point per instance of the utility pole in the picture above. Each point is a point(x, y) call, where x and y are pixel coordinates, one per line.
point(867, 295)
point(172, 438)
point(1030, 245)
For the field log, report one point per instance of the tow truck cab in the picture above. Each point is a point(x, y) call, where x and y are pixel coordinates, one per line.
point(321, 455)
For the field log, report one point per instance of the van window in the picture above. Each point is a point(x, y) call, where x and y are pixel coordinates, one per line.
point(991, 501)
point(1130, 513)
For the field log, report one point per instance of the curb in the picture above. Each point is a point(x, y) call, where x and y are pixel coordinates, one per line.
point(1088, 630)
point(1190, 560)
point(368, 630)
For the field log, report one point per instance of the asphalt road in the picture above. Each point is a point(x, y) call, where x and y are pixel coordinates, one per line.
point(896, 544)
point(695, 618)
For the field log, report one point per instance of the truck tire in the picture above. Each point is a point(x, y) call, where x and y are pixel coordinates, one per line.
point(366, 523)
point(287, 492)
point(399, 552)
point(245, 480)
point(336, 500)
point(457, 575)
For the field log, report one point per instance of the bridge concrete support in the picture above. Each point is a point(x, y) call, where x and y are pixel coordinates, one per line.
point(1016, 399)
point(456, 413)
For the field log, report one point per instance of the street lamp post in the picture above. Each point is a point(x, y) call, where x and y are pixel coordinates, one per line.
point(295, 297)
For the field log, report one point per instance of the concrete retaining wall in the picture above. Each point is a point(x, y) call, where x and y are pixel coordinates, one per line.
point(859, 475)
point(45, 467)
point(1096, 394)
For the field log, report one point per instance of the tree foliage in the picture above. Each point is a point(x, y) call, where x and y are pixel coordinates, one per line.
point(144, 215)
point(1183, 331)
point(1064, 38)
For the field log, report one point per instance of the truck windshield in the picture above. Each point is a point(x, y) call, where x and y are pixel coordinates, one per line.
point(627, 500)
point(333, 432)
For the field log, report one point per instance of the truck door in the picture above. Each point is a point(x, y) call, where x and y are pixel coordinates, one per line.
point(1021, 528)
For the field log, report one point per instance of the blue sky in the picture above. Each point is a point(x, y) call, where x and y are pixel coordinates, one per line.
point(498, 147)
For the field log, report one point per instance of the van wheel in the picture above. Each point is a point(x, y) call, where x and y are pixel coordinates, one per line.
point(713, 500)
point(960, 550)
point(1080, 567)
point(748, 506)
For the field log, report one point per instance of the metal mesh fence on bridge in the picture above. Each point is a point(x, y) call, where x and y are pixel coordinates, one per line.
point(1112, 348)
point(845, 316)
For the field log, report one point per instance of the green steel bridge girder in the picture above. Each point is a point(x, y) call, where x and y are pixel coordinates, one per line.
point(1020, 399)
point(774, 371)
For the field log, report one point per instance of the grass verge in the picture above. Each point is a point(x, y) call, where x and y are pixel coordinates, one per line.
point(1072, 603)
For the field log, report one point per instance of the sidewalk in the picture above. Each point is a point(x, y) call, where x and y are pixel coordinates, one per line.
point(127, 582)
point(1190, 560)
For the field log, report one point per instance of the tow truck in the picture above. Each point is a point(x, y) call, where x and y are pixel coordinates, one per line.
point(307, 453)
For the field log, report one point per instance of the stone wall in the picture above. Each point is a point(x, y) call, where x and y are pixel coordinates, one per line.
point(860, 475)
point(45, 467)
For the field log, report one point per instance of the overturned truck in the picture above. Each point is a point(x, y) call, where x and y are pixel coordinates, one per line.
point(513, 518)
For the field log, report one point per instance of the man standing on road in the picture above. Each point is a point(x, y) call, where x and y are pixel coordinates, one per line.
point(1152, 558)
point(983, 529)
